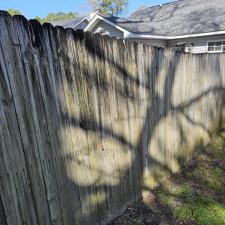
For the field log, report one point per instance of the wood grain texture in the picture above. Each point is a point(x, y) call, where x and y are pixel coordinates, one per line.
point(87, 122)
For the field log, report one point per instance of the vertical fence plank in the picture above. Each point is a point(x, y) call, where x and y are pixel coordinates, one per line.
point(2, 214)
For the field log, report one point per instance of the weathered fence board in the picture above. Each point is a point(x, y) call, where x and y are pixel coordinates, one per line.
point(13, 149)
point(88, 122)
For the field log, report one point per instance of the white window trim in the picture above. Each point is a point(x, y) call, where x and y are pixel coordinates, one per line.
point(221, 51)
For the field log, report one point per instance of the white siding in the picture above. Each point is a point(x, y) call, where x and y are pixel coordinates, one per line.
point(192, 45)
point(106, 29)
point(157, 43)
point(199, 44)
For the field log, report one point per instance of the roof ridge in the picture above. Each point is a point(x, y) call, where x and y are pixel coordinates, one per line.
point(168, 3)
point(159, 5)
point(107, 17)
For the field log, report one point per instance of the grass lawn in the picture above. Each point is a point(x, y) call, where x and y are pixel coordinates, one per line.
point(195, 196)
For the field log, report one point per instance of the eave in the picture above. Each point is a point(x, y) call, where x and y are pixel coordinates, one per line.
point(131, 35)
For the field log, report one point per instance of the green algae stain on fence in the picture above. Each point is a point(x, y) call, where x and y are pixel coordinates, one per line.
point(94, 121)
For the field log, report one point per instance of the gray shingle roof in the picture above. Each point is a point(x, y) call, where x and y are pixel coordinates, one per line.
point(176, 18)
point(71, 23)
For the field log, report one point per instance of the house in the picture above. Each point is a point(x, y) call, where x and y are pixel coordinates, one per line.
point(195, 26)
point(75, 23)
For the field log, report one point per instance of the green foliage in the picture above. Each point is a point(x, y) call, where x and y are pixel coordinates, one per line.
point(165, 197)
point(217, 145)
point(109, 7)
point(200, 202)
point(213, 179)
point(57, 16)
point(13, 12)
point(137, 221)
point(203, 210)
point(191, 206)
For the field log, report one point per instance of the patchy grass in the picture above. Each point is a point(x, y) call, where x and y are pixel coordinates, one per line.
point(195, 196)
point(188, 205)
point(200, 190)
point(202, 210)
point(137, 221)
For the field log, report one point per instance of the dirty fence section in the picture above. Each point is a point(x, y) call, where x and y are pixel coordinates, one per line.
point(87, 123)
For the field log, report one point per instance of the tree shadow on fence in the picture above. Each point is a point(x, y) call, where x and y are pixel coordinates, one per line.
point(160, 108)
point(96, 48)
point(94, 93)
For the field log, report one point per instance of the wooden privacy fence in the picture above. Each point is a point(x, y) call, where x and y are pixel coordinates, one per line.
point(87, 122)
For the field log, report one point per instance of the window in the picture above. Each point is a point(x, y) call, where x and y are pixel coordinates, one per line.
point(179, 47)
point(216, 46)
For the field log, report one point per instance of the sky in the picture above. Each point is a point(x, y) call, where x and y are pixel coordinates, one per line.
point(32, 8)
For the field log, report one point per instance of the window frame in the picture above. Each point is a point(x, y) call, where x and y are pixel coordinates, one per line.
point(215, 41)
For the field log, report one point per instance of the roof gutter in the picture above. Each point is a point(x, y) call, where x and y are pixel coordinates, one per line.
point(130, 35)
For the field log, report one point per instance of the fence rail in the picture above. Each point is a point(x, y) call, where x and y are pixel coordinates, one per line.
point(87, 122)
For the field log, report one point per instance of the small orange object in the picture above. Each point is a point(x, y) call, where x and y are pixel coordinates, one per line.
point(100, 147)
